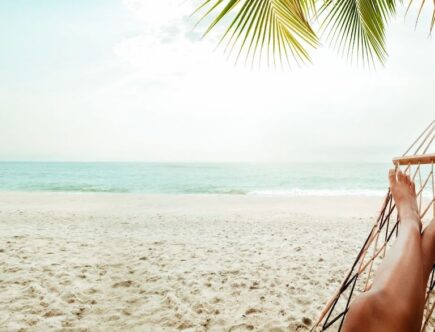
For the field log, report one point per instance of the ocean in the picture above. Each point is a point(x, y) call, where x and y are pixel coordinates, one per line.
point(295, 179)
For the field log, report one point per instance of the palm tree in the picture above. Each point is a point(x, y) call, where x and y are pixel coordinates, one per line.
point(281, 30)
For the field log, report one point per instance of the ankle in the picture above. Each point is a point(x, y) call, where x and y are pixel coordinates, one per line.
point(411, 218)
point(409, 215)
point(411, 223)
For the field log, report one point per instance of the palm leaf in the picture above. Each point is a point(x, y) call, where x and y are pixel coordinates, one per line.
point(277, 28)
point(419, 13)
point(358, 27)
point(281, 29)
point(433, 21)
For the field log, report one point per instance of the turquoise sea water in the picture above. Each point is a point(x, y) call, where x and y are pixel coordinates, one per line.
point(196, 178)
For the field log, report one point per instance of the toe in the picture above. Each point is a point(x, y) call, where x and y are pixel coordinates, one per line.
point(400, 176)
point(392, 177)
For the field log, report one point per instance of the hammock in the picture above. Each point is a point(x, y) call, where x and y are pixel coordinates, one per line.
point(418, 161)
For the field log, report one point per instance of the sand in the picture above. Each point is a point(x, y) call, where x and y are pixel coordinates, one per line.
point(111, 262)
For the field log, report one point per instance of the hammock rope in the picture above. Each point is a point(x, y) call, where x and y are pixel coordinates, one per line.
point(420, 167)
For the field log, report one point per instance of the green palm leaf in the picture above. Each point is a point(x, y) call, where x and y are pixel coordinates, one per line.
point(423, 2)
point(433, 21)
point(358, 26)
point(278, 28)
point(282, 29)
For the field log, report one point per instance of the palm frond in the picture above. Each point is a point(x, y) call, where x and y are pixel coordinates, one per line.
point(358, 27)
point(423, 2)
point(433, 21)
point(278, 28)
point(282, 29)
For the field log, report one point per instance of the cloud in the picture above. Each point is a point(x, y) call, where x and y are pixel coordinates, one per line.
point(167, 44)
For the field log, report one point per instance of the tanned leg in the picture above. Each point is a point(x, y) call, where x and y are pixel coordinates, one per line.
point(428, 246)
point(395, 301)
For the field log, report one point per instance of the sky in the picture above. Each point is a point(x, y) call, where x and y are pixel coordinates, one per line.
point(131, 80)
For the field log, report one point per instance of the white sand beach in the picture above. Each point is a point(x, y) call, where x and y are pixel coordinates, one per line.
point(111, 262)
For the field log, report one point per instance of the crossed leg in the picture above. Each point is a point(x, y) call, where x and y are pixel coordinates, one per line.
point(396, 299)
point(428, 246)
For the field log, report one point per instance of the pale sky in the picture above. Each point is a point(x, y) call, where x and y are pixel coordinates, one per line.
point(128, 80)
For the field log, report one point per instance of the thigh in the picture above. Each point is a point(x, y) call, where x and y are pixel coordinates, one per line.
point(379, 312)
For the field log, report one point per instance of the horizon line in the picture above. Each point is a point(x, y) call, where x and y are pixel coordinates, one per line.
point(194, 162)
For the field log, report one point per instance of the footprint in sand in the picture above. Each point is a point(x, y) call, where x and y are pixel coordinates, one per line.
point(126, 283)
point(79, 312)
point(53, 313)
point(251, 311)
point(241, 328)
point(307, 321)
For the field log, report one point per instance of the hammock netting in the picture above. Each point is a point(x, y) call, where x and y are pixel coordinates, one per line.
point(418, 162)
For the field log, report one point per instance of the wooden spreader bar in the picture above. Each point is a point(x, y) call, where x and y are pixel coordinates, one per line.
point(415, 160)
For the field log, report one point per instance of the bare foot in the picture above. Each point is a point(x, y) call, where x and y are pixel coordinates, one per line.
point(403, 191)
